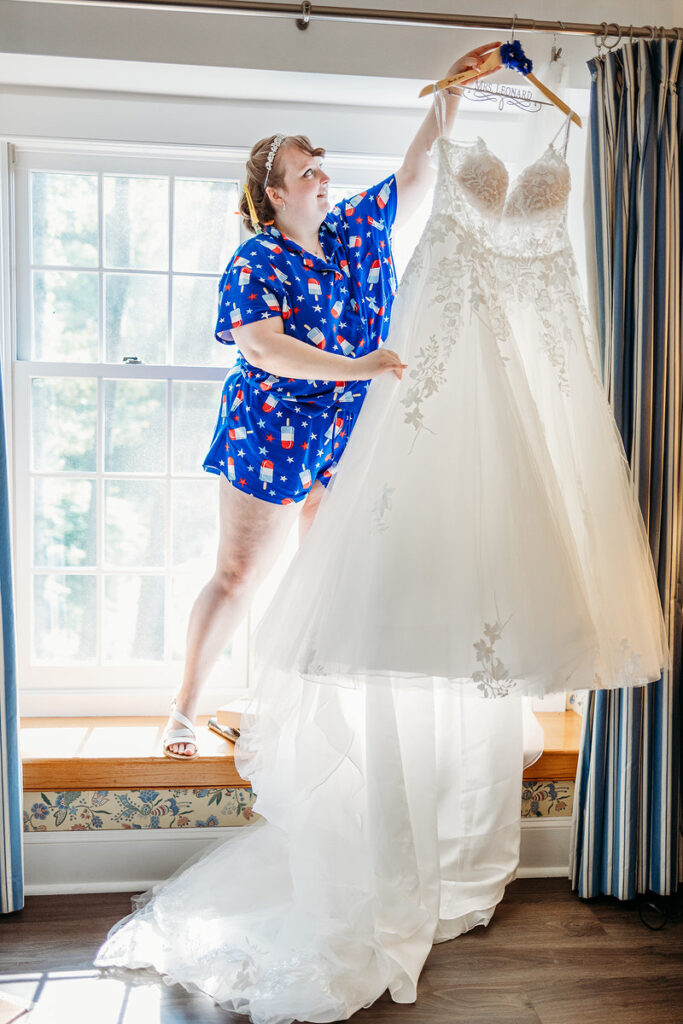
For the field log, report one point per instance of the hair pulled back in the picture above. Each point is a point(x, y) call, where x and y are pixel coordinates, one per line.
point(256, 175)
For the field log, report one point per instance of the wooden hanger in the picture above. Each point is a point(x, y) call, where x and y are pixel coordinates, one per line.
point(492, 63)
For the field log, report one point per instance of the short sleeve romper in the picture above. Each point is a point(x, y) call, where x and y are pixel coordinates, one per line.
point(275, 436)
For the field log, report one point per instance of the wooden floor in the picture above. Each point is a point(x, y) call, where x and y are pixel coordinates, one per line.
point(546, 958)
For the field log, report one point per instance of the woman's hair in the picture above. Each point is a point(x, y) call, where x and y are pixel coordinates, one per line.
point(257, 170)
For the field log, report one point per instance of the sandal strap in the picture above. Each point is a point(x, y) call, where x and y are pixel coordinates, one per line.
point(173, 735)
point(181, 717)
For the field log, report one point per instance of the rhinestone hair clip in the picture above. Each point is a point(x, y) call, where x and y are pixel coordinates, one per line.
point(274, 146)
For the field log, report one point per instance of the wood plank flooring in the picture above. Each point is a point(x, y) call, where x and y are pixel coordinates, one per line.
point(545, 958)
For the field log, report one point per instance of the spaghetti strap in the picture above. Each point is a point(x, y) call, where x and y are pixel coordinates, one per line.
point(440, 110)
point(564, 127)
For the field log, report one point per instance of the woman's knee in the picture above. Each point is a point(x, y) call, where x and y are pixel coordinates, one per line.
point(234, 577)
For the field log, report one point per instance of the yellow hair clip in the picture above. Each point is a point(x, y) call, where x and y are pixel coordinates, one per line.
point(252, 210)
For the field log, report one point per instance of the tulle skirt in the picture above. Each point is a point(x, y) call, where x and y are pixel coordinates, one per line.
point(482, 525)
point(391, 820)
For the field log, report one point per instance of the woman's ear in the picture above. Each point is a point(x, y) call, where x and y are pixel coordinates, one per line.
point(274, 196)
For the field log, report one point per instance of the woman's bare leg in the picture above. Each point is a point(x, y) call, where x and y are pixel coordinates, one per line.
point(310, 507)
point(250, 533)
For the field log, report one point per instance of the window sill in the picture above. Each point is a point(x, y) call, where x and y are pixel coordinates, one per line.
point(119, 753)
point(125, 753)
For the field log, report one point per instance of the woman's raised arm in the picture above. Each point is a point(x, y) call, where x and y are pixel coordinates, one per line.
point(415, 175)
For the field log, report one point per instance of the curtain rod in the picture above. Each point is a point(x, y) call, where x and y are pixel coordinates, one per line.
point(305, 14)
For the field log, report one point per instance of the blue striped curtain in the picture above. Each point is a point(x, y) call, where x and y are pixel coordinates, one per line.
point(11, 862)
point(627, 814)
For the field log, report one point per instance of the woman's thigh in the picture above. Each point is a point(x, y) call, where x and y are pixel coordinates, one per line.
point(251, 532)
point(310, 508)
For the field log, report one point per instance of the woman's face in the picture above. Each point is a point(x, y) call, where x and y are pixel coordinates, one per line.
point(305, 188)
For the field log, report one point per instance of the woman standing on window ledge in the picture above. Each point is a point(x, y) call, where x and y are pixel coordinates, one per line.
point(287, 409)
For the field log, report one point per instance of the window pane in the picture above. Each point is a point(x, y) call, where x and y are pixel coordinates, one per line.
point(195, 411)
point(64, 218)
point(206, 230)
point(134, 426)
point(136, 317)
point(195, 301)
point(64, 618)
point(133, 627)
point(336, 193)
point(64, 522)
point(65, 316)
point(195, 525)
point(135, 222)
point(64, 424)
point(134, 522)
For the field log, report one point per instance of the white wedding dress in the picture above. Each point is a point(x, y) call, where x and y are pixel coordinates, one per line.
point(481, 541)
point(488, 528)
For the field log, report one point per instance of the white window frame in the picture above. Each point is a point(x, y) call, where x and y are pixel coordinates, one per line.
point(139, 688)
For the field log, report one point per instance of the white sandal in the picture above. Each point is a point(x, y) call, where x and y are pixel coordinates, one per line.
point(186, 735)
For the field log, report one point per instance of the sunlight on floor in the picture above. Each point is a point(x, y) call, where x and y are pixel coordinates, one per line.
point(81, 997)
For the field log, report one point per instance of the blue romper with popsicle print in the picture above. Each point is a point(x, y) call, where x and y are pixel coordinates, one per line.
point(275, 436)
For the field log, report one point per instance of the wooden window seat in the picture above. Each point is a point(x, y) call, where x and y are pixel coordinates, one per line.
point(125, 753)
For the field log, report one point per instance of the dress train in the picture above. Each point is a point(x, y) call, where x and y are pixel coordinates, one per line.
point(391, 820)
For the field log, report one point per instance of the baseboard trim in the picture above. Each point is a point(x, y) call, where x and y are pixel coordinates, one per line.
point(58, 863)
point(111, 860)
point(544, 848)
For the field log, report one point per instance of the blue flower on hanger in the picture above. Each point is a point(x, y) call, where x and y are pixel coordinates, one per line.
point(513, 56)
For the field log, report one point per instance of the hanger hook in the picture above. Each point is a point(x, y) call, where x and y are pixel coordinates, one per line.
point(305, 19)
point(512, 29)
point(556, 51)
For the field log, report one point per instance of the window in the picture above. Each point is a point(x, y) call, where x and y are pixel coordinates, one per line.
point(118, 258)
point(116, 384)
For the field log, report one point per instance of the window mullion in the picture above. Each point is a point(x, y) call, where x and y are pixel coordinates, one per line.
point(125, 371)
point(170, 346)
point(170, 354)
point(168, 551)
point(100, 258)
point(22, 257)
point(99, 544)
point(23, 537)
point(99, 447)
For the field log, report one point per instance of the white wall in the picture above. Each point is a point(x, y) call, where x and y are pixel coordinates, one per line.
point(218, 40)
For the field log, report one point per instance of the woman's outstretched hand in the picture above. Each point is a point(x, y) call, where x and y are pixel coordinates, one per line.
point(473, 59)
point(378, 362)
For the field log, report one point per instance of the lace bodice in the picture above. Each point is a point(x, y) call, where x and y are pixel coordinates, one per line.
point(503, 247)
point(527, 217)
